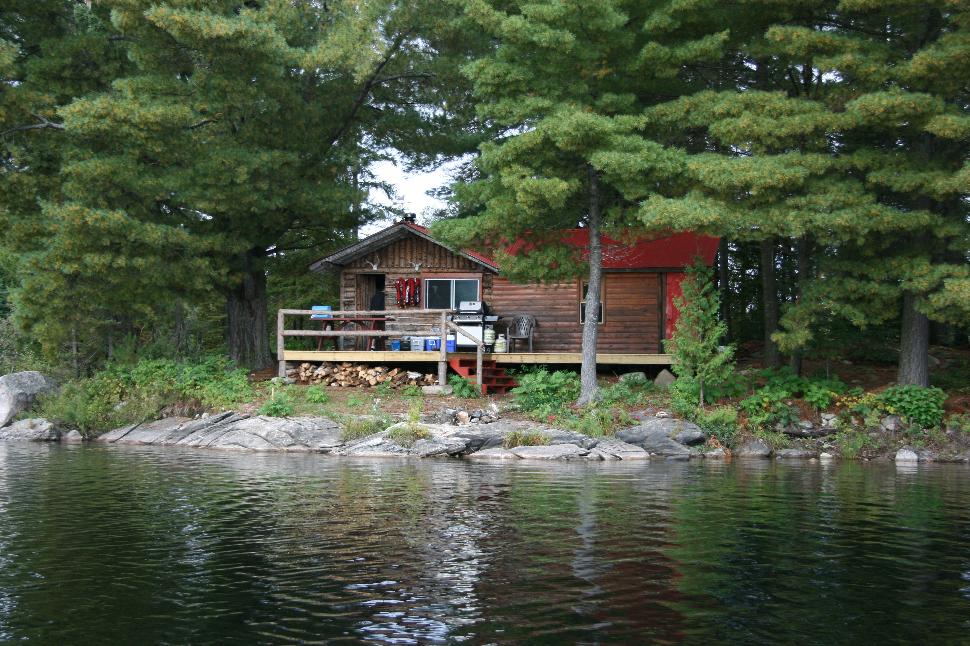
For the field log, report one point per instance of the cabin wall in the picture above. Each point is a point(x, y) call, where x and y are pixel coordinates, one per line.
point(412, 257)
point(632, 314)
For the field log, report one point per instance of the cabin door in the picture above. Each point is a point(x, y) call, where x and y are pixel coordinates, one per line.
point(367, 286)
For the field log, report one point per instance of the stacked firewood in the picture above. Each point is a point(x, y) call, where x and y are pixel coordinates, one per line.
point(355, 375)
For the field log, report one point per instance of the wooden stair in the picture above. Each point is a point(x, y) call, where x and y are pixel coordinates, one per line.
point(495, 381)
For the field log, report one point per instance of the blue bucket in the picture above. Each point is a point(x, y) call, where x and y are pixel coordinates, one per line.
point(396, 345)
point(321, 308)
point(432, 343)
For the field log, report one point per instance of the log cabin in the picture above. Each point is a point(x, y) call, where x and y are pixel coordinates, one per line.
point(640, 282)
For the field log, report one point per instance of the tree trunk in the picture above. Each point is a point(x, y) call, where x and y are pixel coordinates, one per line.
point(723, 286)
point(914, 344)
point(802, 247)
point(181, 329)
point(246, 310)
point(769, 297)
point(589, 391)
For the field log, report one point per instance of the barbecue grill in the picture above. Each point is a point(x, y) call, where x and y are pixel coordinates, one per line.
point(472, 318)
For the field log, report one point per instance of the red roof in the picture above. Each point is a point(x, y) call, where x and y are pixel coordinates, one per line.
point(674, 250)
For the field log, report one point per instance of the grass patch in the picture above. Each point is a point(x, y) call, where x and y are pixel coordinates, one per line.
point(407, 434)
point(525, 438)
point(279, 404)
point(355, 428)
point(463, 388)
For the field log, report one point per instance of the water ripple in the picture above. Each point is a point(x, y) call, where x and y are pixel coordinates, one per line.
point(128, 544)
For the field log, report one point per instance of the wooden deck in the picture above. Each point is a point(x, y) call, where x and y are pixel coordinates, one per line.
point(551, 358)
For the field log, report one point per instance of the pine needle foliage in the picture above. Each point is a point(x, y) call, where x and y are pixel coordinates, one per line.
point(698, 334)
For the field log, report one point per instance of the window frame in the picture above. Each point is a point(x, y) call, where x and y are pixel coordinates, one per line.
point(583, 283)
point(451, 293)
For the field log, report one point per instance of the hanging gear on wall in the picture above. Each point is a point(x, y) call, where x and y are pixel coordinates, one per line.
point(399, 289)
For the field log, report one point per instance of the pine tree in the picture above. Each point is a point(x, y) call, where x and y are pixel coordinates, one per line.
point(229, 141)
point(695, 345)
point(566, 83)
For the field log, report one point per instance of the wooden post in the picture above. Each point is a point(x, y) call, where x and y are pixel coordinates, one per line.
point(443, 355)
point(280, 342)
point(479, 349)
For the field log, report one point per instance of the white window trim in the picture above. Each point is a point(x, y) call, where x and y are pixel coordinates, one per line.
point(451, 296)
point(582, 302)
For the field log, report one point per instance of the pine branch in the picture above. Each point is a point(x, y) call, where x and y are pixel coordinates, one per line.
point(42, 124)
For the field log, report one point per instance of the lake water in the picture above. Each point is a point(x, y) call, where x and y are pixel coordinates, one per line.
point(112, 545)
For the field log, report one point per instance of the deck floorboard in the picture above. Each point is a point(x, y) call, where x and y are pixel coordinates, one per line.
point(560, 358)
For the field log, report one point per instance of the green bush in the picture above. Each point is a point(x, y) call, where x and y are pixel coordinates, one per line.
point(546, 393)
point(768, 405)
point(316, 395)
point(629, 392)
point(597, 421)
point(125, 394)
point(463, 388)
point(279, 404)
point(684, 397)
point(915, 404)
point(720, 423)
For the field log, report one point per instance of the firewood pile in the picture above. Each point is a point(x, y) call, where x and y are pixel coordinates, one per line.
point(356, 375)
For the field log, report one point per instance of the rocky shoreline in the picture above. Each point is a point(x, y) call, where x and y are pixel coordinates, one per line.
point(486, 438)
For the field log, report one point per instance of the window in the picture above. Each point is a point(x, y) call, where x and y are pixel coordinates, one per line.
point(582, 304)
point(447, 293)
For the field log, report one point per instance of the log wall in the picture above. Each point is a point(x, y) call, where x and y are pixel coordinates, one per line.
point(632, 302)
point(399, 260)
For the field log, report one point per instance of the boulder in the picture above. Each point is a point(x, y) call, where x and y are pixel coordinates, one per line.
point(892, 423)
point(805, 428)
point(655, 435)
point(437, 390)
point(691, 436)
point(595, 455)
point(754, 449)
point(436, 446)
point(828, 421)
point(635, 377)
point(18, 390)
point(825, 456)
point(495, 453)
point(444, 416)
point(620, 449)
point(462, 417)
point(373, 446)
point(796, 454)
point(551, 452)
point(716, 454)
point(31, 430)
point(72, 437)
point(664, 378)
point(906, 454)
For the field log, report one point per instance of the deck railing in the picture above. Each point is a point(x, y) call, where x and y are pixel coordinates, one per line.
point(443, 327)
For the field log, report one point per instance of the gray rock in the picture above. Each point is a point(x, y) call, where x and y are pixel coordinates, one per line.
point(716, 454)
point(691, 437)
point(664, 378)
point(892, 423)
point(438, 447)
point(754, 449)
point(662, 414)
point(805, 428)
point(437, 390)
point(825, 456)
point(72, 437)
point(18, 390)
point(636, 377)
point(234, 431)
point(796, 454)
point(595, 455)
point(655, 435)
point(621, 450)
point(444, 416)
point(373, 446)
point(31, 430)
point(680, 457)
point(496, 453)
point(828, 421)
point(906, 454)
point(551, 452)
